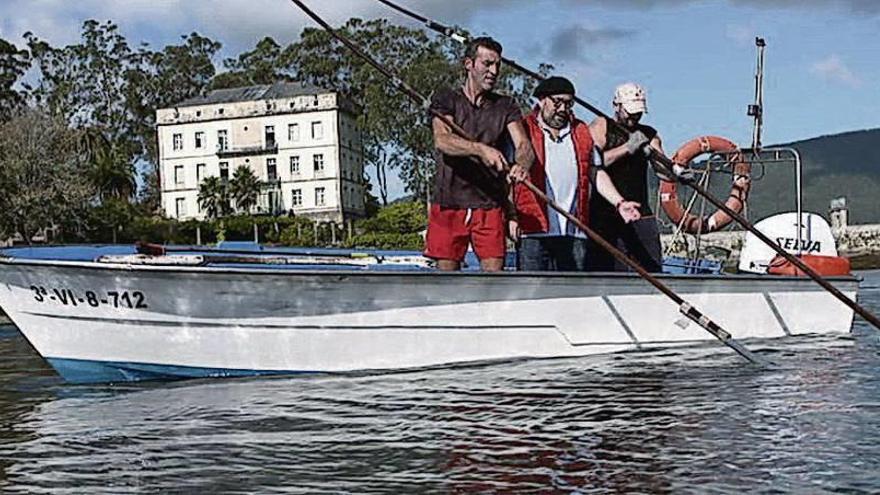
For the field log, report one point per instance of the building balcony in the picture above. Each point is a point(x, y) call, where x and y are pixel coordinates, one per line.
point(234, 152)
point(271, 182)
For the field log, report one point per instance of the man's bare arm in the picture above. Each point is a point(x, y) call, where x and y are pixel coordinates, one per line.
point(450, 143)
point(525, 155)
point(628, 210)
point(599, 131)
point(657, 144)
point(606, 188)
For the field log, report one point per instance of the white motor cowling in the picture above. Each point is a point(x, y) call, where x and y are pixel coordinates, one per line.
point(816, 238)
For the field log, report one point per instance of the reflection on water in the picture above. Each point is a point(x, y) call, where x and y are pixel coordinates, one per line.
point(666, 421)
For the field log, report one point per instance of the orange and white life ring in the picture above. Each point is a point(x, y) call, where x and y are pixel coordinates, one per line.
point(739, 193)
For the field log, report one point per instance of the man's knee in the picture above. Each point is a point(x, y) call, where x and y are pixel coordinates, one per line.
point(492, 264)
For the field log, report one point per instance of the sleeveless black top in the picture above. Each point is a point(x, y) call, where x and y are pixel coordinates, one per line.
point(629, 174)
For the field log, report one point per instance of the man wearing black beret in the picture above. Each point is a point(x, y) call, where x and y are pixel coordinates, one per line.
point(565, 165)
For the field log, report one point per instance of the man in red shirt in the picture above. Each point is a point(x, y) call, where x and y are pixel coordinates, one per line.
point(470, 187)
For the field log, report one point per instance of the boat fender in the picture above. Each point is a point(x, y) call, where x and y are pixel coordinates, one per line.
point(739, 192)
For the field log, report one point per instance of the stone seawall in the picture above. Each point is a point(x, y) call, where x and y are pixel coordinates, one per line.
point(861, 243)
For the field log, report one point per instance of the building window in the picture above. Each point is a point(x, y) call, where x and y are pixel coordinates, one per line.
point(293, 132)
point(222, 140)
point(270, 136)
point(220, 111)
point(224, 171)
point(177, 142)
point(318, 162)
point(200, 140)
point(200, 172)
point(296, 197)
point(319, 196)
point(178, 175)
point(180, 207)
point(317, 130)
point(271, 169)
point(294, 165)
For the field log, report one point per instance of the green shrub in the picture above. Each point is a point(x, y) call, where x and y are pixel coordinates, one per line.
point(387, 240)
point(300, 232)
point(409, 217)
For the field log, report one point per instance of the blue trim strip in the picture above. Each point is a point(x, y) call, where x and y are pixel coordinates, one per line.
point(84, 371)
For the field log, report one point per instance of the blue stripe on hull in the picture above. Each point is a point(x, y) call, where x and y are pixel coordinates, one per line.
point(83, 371)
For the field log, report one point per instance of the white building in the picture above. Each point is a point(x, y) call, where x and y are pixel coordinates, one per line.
point(300, 141)
point(839, 213)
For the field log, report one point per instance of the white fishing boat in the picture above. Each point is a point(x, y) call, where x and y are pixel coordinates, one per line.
point(112, 315)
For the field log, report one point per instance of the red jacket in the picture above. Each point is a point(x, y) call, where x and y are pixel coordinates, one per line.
point(532, 212)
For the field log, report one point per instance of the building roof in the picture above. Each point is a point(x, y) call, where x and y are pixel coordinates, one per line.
point(254, 93)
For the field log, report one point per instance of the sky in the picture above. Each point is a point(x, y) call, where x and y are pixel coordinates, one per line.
point(695, 58)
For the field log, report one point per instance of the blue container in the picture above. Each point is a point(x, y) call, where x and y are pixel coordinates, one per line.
point(686, 266)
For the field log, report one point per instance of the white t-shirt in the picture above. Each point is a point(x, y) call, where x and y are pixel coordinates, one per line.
point(561, 170)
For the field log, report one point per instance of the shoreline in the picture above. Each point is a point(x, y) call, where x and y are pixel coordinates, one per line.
point(865, 262)
point(859, 243)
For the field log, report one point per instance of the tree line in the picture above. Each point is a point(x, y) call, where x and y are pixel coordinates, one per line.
point(78, 122)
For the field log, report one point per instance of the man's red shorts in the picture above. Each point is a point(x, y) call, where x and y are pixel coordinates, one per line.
point(450, 230)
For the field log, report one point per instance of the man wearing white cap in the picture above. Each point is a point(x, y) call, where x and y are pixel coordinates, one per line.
point(627, 165)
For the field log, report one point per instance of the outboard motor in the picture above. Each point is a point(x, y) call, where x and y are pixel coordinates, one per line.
point(814, 244)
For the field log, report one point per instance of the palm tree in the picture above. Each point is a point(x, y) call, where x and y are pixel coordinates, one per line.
point(214, 198)
point(112, 171)
point(244, 188)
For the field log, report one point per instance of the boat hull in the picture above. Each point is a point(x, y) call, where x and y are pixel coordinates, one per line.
point(95, 322)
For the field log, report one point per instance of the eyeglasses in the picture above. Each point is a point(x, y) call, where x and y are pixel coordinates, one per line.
point(561, 102)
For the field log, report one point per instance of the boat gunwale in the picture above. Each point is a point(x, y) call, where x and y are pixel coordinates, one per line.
point(127, 267)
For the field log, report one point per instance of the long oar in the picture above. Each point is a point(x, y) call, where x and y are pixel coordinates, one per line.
point(684, 307)
point(669, 168)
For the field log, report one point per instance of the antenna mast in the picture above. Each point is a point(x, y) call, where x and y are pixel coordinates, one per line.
point(756, 110)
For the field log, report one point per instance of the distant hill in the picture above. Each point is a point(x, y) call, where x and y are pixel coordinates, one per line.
point(847, 165)
point(839, 165)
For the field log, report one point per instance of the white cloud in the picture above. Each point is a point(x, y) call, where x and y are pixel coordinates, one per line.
point(834, 69)
point(742, 34)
